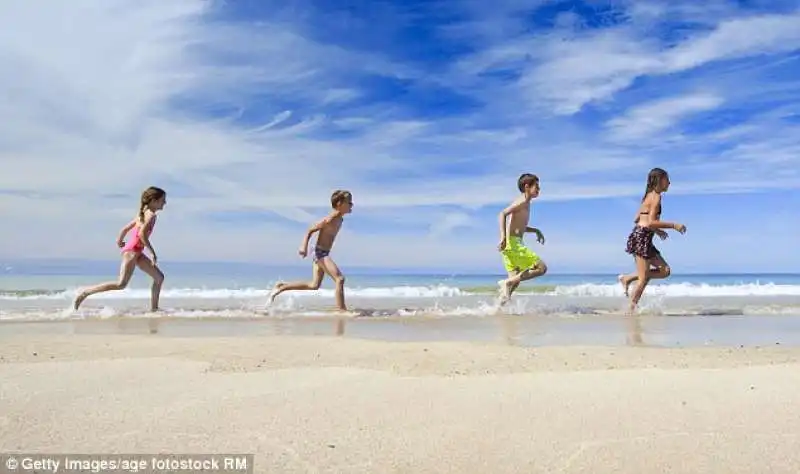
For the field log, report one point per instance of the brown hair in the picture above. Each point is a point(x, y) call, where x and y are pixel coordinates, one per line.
point(339, 196)
point(526, 179)
point(149, 195)
point(653, 179)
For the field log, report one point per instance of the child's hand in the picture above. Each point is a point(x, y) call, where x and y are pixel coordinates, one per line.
point(302, 252)
point(502, 245)
point(539, 236)
point(680, 228)
point(662, 234)
point(120, 243)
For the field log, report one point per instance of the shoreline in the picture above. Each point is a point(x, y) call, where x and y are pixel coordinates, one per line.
point(611, 330)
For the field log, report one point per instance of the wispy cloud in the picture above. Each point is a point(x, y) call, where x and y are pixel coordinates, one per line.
point(647, 119)
point(570, 68)
point(450, 223)
point(427, 112)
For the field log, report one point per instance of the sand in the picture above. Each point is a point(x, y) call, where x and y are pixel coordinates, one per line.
point(338, 405)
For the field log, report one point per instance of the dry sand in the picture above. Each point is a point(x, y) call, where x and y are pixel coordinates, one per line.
point(340, 405)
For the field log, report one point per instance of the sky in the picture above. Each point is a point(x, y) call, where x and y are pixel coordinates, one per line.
point(251, 113)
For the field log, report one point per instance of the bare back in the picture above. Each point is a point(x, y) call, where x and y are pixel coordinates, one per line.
point(329, 231)
point(519, 218)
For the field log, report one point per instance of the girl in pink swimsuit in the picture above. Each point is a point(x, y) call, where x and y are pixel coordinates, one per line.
point(153, 200)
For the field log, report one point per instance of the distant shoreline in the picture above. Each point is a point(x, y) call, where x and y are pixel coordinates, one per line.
point(76, 267)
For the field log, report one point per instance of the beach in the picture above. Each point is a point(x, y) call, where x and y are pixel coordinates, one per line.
point(348, 405)
point(430, 377)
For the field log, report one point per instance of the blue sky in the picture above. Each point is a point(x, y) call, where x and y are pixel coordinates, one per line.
point(250, 113)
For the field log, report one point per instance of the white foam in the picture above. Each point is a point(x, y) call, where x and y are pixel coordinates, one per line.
point(439, 291)
point(518, 307)
point(681, 290)
point(248, 293)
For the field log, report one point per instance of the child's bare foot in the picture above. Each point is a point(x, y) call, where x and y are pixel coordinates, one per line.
point(625, 282)
point(276, 290)
point(505, 291)
point(78, 300)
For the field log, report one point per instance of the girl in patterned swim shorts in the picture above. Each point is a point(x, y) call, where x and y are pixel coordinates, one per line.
point(640, 241)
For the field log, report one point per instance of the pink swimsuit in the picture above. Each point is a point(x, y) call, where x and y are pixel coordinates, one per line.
point(135, 243)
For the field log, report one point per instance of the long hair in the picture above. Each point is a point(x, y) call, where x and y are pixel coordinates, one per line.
point(149, 195)
point(653, 179)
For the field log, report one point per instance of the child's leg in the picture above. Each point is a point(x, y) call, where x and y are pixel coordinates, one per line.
point(643, 270)
point(515, 257)
point(534, 272)
point(626, 280)
point(508, 286)
point(661, 270)
point(333, 271)
point(513, 274)
point(314, 284)
point(157, 275)
point(125, 272)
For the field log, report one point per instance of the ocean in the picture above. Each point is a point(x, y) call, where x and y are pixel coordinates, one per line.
point(47, 296)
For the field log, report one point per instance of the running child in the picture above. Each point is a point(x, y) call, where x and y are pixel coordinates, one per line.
point(648, 224)
point(153, 200)
point(520, 262)
point(328, 228)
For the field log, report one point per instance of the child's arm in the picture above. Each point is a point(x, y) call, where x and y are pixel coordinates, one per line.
point(539, 235)
point(124, 231)
point(311, 231)
point(148, 221)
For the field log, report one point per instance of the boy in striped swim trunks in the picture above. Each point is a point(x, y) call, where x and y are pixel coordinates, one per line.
point(520, 262)
point(327, 229)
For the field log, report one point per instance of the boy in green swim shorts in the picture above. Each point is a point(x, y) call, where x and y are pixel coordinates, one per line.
point(520, 262)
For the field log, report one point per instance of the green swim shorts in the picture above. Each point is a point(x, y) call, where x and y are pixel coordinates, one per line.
point(518, 257)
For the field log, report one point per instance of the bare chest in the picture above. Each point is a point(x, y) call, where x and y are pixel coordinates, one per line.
point(523, 215)
point(331, 230)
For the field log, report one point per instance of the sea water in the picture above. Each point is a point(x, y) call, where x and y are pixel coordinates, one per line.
point(232, 293)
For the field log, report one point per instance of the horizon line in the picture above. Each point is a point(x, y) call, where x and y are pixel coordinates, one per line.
point(354, 269)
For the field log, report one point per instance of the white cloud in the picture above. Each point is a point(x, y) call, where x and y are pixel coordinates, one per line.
point(587, 69)
point(101, 98)
point(656, 116)
point(569, 69)
point(740, 37)
point(340, 95)
point(449, 223)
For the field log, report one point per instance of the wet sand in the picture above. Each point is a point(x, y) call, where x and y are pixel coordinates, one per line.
point(515, 330)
